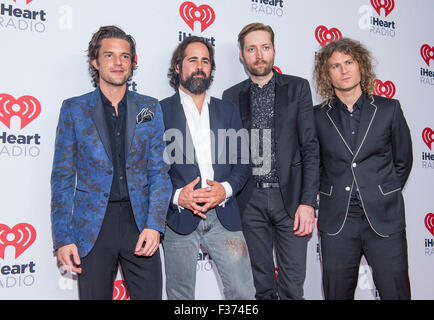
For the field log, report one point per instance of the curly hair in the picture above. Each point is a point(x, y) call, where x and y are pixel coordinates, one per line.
point(106, 32)
point(357, 51)
point(179, 55)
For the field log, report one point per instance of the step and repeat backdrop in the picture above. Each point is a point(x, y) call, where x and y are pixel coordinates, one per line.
point(43, 55)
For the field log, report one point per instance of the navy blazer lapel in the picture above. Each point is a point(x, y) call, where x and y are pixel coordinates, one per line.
point(368, 113)
point(98, 117)
point(215, 123)
point(179, 121)
point(335, 117)
point(132, 111)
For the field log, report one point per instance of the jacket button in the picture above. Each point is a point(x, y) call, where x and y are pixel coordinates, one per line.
point(347, 188)
point(354, 165)
point(106, 195)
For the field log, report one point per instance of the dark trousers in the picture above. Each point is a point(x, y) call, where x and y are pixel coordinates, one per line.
point(115, 244)
point(341, 255)
point(266, 225)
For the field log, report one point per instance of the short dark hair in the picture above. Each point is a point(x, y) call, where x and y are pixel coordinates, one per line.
point(179, 55)
point(255, 26)
point(107, 32)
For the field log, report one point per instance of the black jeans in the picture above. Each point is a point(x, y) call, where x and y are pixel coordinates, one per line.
point(267, 225)
point(341, 255)
point(115, 244)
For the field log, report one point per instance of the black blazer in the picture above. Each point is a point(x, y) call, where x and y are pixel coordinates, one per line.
point(222, 115)
point(379, 167)
point(297, 149)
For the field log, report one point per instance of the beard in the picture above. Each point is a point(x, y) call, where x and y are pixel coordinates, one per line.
point(258, 71)
point(196, 85)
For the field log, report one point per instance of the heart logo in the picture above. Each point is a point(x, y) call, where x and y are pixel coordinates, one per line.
point(387, 5)
point(190, 13)
point(429, 222)
point(120, 291)
point(21, 237)
point(27, 1)
point(386, 88)
point(277, 69)
point(27, 108)
point(427, 53)
point(428, 137)
point(324, 35)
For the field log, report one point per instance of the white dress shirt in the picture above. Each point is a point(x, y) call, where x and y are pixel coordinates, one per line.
point(198, 124)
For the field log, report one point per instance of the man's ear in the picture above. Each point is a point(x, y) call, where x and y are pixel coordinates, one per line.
point(95, 64)
point(177, 69)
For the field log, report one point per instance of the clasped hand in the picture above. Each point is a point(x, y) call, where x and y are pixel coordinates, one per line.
point(201, 200)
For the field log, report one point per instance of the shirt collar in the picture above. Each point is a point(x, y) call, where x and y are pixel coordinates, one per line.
point(108, 103)
point(270, 82)
point(184, 96)
point(357, 105)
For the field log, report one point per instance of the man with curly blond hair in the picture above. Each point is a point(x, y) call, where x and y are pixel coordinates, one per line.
point(366, 158)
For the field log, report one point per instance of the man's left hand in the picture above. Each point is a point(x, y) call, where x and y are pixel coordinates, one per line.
point(212, 196)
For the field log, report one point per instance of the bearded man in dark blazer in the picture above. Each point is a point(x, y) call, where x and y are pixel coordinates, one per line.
point(277, 204)
point(366, 158)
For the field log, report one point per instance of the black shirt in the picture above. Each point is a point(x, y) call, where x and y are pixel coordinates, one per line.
point(262, 106)
point(116, 125)
point(350, 126)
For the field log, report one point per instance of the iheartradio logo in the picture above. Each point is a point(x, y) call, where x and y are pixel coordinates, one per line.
point(427, 53)
point(27, 108)
point(190, 13)
point(324, 35)
point(27, 1)
point(429, 222)
point(428, 137)
point(387, 5)
point(277, 69)
point(120, 291)
point(386, 88)
point(21, 237)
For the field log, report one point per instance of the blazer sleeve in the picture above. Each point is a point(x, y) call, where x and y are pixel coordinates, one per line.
point(309, 147)
point(160, 186)
point(63, 176)
point(401, 145)
point(241, 167)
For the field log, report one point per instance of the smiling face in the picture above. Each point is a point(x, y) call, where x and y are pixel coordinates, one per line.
point(258, 53)
point(344, 72)
point(114, 62)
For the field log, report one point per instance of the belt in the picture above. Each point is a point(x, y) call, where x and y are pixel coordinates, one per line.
point(267, 185)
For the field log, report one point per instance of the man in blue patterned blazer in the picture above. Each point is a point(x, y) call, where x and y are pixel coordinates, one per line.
point(110, 186)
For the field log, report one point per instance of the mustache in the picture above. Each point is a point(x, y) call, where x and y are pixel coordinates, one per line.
point(197, 73)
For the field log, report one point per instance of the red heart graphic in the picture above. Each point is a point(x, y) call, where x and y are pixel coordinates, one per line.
point(427, 53)
point(120, 291)
point(29, 109)
point(190, 13)
point(429, 222)
point(324, 35)
point(387, 5)
point(428, 137)
point(386, 88)
point(27, 1)
point(21, 237)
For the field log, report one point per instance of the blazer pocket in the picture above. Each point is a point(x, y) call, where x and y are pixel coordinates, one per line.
point(326, 189)
point(389, 187)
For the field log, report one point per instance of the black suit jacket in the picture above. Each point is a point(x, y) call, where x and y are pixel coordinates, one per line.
point(227, 167)
point(297, 149)
point(379, 167)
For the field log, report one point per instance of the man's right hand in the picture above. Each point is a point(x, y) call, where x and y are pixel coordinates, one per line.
point(186, 199)
point(64, 255)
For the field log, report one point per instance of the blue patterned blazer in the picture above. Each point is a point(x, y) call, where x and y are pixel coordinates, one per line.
point(83, 170)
